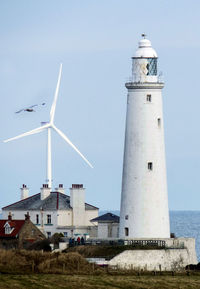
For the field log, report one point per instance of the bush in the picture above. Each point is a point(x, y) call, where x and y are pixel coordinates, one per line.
point(56, 238)
point(41, 245)
point(23, 262)
point(66, 262)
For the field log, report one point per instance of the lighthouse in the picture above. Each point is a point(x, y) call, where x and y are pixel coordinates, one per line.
point(144, 201)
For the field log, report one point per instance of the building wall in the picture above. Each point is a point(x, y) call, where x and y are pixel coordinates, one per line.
point(61, 221)
point(64, 217)
point(171, 258)
point(77, 202)
point(108, 230)
point(102, 230)
point(115, 231)
point(144, 201)
point(89, 215)
point(28, 234)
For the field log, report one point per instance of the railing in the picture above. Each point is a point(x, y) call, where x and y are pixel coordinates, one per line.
point(146, 243)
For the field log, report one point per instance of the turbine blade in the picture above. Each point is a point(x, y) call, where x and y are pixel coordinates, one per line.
point(34, 131)
point(53, 107)
point(71, 144)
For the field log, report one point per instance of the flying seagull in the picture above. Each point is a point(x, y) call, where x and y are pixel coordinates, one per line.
point(51, 126)
point(30, 108)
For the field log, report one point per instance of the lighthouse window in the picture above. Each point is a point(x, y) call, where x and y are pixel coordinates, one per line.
point(159, 122)
point(149, 97)
point(126, 232)
point(126, 217)
point(150, 166)
point(152, 66)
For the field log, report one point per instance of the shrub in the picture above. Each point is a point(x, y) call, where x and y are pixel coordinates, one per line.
point(41, 245)
point(68, 263)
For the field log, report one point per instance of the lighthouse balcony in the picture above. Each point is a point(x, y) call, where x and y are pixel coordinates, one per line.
point(146, 85)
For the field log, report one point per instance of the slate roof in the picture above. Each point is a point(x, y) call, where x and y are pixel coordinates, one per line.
point(108, 217)
point(54, 201)
point(16, 224)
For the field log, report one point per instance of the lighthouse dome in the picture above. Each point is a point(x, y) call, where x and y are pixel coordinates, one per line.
point(145, 49)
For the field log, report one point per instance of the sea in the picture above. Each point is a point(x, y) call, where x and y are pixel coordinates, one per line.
point(182, 224)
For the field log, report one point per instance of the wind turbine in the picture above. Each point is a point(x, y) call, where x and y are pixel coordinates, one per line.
point(50, 125)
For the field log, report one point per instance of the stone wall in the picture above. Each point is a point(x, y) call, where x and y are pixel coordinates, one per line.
point(28, 234)
point(178, 253)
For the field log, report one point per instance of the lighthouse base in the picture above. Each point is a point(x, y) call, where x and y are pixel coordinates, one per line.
point(177, 253)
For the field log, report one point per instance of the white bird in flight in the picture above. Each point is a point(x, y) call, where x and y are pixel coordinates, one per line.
point(30, 108)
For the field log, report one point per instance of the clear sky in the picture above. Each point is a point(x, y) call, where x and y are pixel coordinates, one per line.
point(95, 41)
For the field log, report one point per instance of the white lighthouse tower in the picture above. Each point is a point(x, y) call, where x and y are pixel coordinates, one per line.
point(144, 201)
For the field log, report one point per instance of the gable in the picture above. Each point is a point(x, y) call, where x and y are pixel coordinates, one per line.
point(14, 225)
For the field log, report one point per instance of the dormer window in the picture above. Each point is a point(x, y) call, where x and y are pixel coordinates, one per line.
point(8, 229)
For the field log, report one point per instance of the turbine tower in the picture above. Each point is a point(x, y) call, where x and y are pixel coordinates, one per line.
point(144, 202)
point(49, 126)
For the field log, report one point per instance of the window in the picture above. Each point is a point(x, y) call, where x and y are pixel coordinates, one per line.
point(149, 97)
point(48, 219)
point(37, 219)
point(7, 229)
point(48, 235)
point(150, 166)
point(152, 66)
point(126, 232)
point(126, 217)
point(159, 122)
point(65, 234)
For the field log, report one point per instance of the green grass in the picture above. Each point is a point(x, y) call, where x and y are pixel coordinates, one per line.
point(105, 281)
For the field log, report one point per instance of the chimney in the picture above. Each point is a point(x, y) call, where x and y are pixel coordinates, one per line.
point(9, 216)
point(27, 216)
point(45, 191)
point(60, 189)
point(77, 202)
point(24, 192)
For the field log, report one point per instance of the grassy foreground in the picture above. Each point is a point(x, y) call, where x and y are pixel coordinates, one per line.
point(48, 281)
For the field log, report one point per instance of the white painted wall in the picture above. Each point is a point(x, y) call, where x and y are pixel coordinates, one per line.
point(61, 220)
point(44, 192)
point(102, 230)
point(89, 215)
point(169, 259)
point(64, 217)
point(144, 192)
point(77, 202)
point(108, 230)
point(24, 192)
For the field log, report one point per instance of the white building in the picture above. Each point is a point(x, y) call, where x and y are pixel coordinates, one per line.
point(144, 201)
point(56, 212)
point(108, 226)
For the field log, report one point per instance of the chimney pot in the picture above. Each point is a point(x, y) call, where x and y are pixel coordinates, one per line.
point(77, 186)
